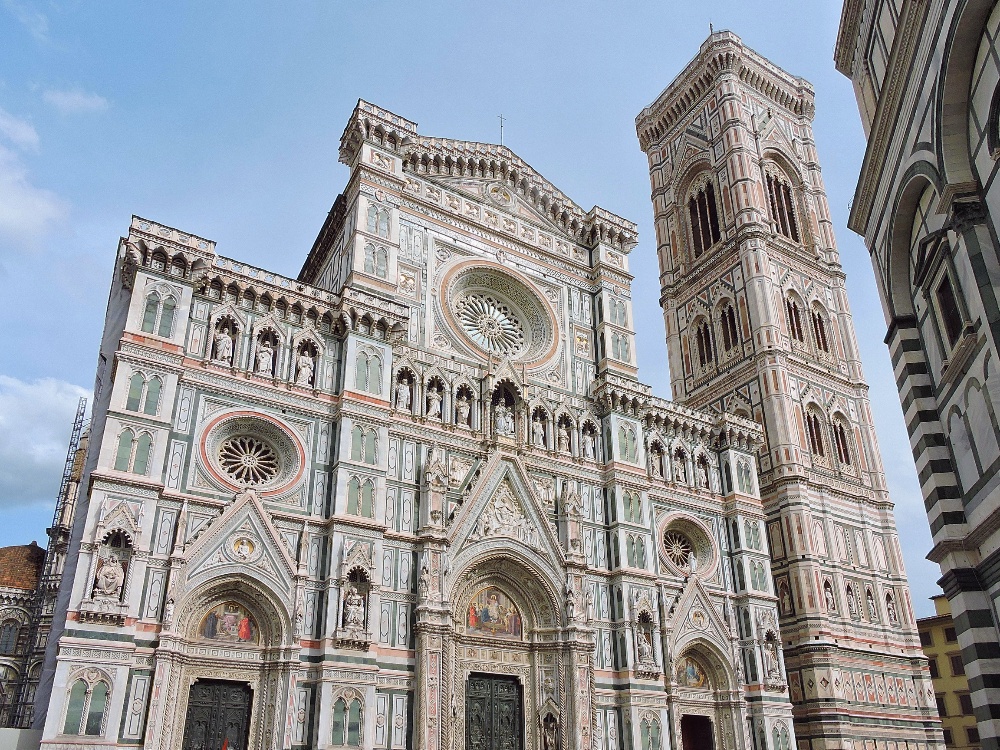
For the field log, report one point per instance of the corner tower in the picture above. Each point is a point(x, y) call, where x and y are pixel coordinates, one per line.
point(758, 325)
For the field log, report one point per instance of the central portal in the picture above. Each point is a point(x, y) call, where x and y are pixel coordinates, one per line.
point(494, 717)
point(218, 711)
point(696, 733)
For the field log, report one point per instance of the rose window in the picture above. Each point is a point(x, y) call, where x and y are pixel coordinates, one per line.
point(678, 549)
point(248, 460)
point(491, 324)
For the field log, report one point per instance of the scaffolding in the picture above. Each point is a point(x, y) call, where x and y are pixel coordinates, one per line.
point(33, 638)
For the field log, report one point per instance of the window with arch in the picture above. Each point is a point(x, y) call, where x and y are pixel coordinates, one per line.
point(814, 431)
point(133, 452)
point(780, 737)
point(819, 330)
point(85, 711)
point(704, 216)
point(703, 341)
point(378, 221)
point(752, 534)
point(143, 394)
point(8, 636)
point(649, 734)
point(619, 313)
point(347, 723)
point(158, 314)
point(744, 476)
point(794, 318)
point(730, 331)
point(376, 261)
point(361, 497)
point(364, 445)
point(782, 203)
point(635, 551)
point(368, 373)
point(620, 347)
point(842, 443)
point(633, 506)
point(628, 446)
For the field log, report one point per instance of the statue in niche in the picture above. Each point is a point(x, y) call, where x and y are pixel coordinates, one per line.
point(223, 345)
point(680, 473)
point(403, 397)
point(265, 358)
point(871, 605)
point(304, 368)
point(771, 657)
point(702, 474)
point(537, 432)
point(831, 603)
point(786, 600)
point(589, 446)
point(110, 578)
point(563, 438)
point(434, 403)
point(570, 592)
point(890, 607)
point(424, 583)
point(168, 612)
point(644, 647)
point(462, 409)
point(852, 602)
point(354, 609)
point(550, 733)
point(656, 461)
point(435, 472)
point(503, 420)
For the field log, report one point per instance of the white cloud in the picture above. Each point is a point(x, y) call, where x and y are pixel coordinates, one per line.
point(26, 211)
point(75, 101)
point(35, 423)
point(30, 18)
point(19, 132)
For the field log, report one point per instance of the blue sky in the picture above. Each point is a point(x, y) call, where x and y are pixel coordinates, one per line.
point(223, 119)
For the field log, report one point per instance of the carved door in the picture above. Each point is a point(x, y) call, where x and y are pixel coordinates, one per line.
point(218, 710)
point(494, 717)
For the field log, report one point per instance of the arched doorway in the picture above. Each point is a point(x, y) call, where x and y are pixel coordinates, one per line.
point(221, 663)
point(708, 708)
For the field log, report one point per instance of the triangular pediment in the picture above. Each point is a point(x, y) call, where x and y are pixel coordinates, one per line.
point(243, 540)
point(694, 616)
point(504, 508)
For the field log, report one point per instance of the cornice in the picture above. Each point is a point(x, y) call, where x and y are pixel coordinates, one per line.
point(847, 35)
point(723, 53)
point(890, 102)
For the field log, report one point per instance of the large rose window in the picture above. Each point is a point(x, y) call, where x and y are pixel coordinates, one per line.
point(252, 451)
point(498, 313)
point(687, 546)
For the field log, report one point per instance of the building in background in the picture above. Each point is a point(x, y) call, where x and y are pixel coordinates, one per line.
point(758, 325)
point(928, 204)
point(939, 639)
point(29, 585)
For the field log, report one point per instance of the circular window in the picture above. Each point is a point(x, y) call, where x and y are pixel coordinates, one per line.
point(248, 460)
point(498, 313)
point(687, 546)
point(678, 549)
point(250, 450)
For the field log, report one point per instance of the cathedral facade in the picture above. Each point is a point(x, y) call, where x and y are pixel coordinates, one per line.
point(417, 497)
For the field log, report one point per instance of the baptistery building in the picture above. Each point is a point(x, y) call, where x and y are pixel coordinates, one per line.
point(417, 497)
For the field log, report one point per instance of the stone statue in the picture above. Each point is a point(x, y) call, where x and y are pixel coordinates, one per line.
point(852, 603)
point(550, 733)
point(298, 624)
point(831, 604)
point(589, 446)
point(110, 578)
point(223, 346)
point(786, 600)
point(570, 602)
point(871, 605)
point(354, 609)
point(424, 583)
point(462, 408)
point(680, 475)
point(771, 657)
point(656, 464)
point(503, 420)
point(890, 607)
point(645, 649)
point(304, 369)
point(265, 358)
point(692, 562)
point(702, 475)
point(168, 613)
point(563, 438)
point(537, 432)
point(403, 397)
point(434, 403)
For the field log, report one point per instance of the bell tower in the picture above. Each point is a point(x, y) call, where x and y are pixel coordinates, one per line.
point(758, 325)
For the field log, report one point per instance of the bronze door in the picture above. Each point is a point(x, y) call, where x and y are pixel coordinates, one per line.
point(218, 710)
point(493, 713)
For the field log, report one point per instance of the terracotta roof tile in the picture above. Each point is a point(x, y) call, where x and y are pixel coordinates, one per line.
point(21, 566)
